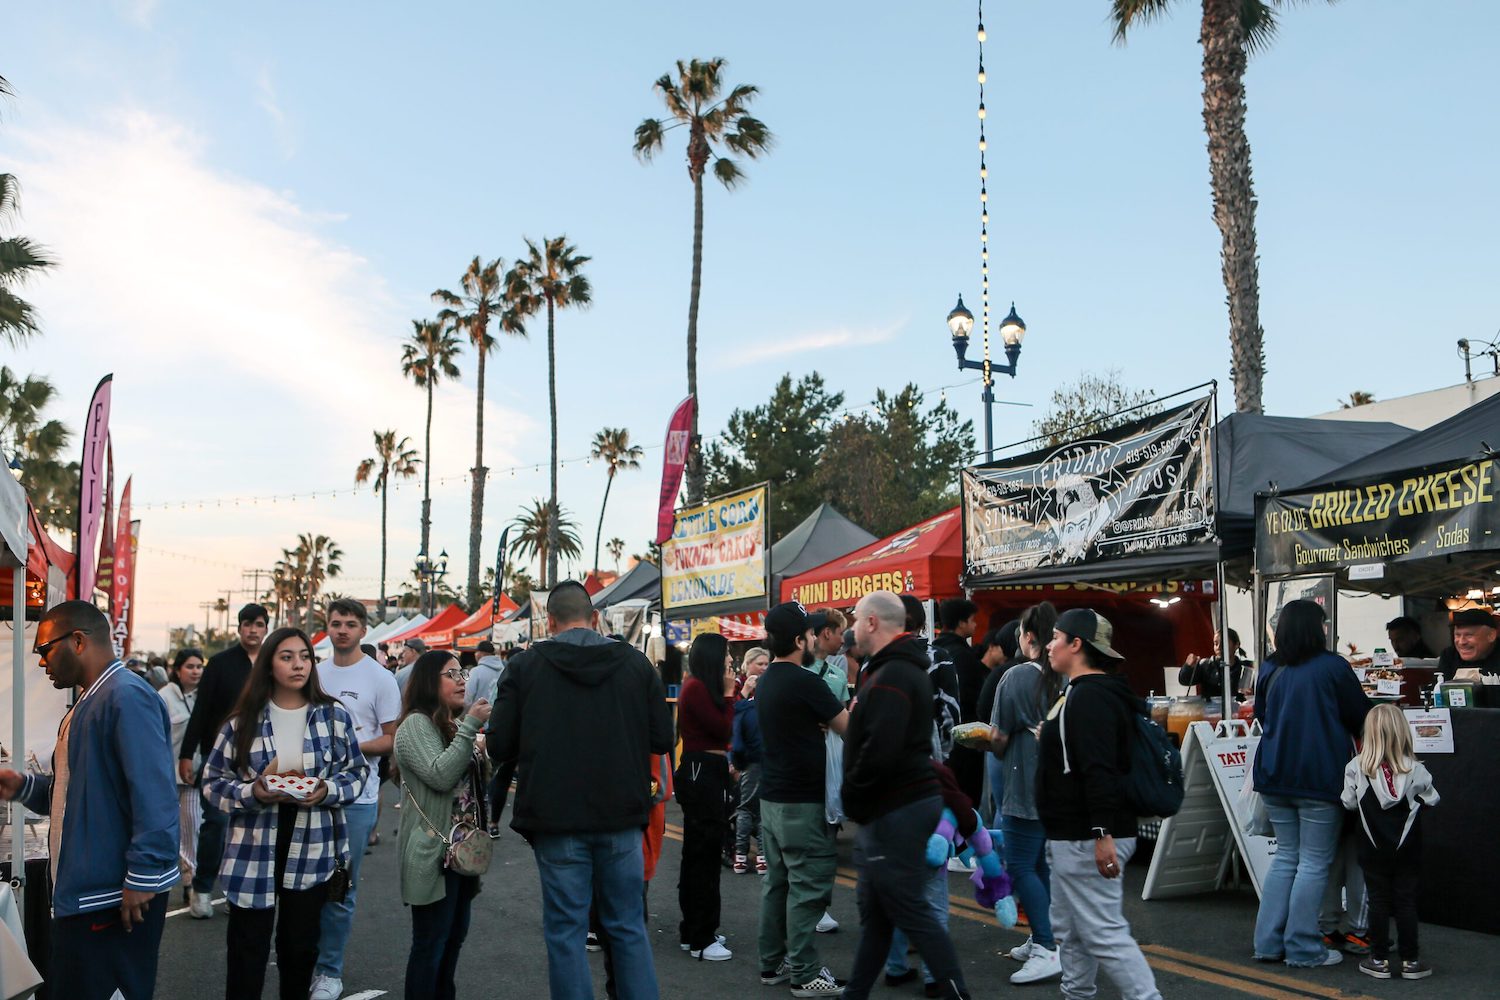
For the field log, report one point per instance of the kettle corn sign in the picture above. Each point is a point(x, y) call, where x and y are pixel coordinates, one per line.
point(1436, 511)
point(717, 559)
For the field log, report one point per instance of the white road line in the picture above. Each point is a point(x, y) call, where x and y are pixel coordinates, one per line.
point(366, 995)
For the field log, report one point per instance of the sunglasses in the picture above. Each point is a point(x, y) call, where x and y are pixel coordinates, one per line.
point(41, 648)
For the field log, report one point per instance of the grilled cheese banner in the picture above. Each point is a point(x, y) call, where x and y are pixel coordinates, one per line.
point(1139, 488)
point(718, 553)
point(1436, 511)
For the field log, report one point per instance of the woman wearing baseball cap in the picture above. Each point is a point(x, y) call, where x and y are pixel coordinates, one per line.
point(1084, 753)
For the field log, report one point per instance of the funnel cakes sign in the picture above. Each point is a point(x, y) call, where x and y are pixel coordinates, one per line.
point(1138, 488)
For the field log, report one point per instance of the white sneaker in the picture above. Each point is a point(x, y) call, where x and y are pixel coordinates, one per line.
point(326, 988)
point(1021, 952)
point(827, 925)
point(202, 906)
point(715, 952)
point(1043, 963)
point(687, 947)
point(959, 865)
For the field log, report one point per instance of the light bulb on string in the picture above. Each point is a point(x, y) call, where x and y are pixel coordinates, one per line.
point(981, 72)
point(981, 31)
point(981, 109)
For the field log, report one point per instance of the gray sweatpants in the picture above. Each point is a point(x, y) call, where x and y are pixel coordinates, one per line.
point(1088, 919)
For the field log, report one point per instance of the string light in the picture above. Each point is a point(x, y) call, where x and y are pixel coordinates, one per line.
point(984, 212)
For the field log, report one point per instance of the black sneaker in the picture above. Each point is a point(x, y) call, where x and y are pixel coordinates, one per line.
point(901, 979)
point(773, 977)
point(1378, 968)
point(822, 985)
point(1415, 970)
point(591, 943)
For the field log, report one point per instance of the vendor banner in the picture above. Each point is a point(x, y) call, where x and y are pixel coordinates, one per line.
point(1139, 488)
point(718, 558)
point(1434, 511)
point(122, 580)
point(91, 486)
point(674, 460)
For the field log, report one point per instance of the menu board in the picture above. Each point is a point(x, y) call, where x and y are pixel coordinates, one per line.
point(1431, 729)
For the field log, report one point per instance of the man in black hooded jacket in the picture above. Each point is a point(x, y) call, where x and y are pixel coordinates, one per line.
point(892, 791)
point(582, 715)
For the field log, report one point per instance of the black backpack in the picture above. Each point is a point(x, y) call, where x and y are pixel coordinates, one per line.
point(1154, 784)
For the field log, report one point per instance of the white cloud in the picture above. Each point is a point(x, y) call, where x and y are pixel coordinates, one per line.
point(253, 355)
point(817, 340)
point(266, 100)
point(140, 11)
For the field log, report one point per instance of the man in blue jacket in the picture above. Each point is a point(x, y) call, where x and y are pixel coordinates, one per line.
point(112, 800)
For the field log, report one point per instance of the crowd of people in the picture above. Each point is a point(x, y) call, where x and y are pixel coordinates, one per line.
point(838, 720)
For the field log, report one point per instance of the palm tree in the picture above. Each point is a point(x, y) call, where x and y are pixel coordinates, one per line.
point(1358, 397)
point(39, 445)
point(693, 100)
point(20, 259)
point(616, 549)
point(427, 359)
point(391, 457)
point(538, 534)
point(612, 446)
point(551, 274)
point(1230, 31)
point(320, 556)
point(482, 299)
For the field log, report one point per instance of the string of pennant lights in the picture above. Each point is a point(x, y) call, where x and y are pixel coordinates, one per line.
point(512, 472)
point(984, 213)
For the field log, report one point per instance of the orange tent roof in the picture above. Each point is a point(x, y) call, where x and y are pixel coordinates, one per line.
point(446, 619)
point(924, 560)
point(479, 621)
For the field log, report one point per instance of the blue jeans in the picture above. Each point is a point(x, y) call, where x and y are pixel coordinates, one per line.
point(1025, 851)
point(437, 933)
point(608, 868)
point(211, 834)
point(994, 773)
point(338, 918)
point(937, 895)
point(1307, 833)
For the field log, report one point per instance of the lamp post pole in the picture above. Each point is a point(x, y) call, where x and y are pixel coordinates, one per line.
point(1012, 332)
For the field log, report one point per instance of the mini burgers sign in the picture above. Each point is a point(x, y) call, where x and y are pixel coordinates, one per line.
point(1138, 488)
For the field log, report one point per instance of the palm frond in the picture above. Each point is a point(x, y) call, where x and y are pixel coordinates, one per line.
point(648, 138)
point(18, 320)
point(750, 137)
point(728, 172)
point(1259, 21)
point(1125, 14)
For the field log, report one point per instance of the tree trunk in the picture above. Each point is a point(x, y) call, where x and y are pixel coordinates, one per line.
point(426, 504)
point(552, 526)
point(695, 446)
point(1224, 60)
point(385, 502)
point(476, 495)
point(599, 534)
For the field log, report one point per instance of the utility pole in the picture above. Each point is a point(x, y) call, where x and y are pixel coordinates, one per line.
point(208, 607)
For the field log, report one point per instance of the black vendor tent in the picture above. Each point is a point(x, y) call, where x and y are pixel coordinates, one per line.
point(824, 535)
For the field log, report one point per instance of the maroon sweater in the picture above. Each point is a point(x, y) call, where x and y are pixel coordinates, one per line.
point(704, 725)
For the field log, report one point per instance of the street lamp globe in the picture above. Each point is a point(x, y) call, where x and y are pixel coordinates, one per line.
point(960, 320)
point(1012, 328)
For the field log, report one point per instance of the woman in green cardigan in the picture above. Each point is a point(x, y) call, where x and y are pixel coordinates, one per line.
point(442, 776)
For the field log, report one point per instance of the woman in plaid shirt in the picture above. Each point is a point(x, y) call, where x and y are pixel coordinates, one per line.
point(282, 852)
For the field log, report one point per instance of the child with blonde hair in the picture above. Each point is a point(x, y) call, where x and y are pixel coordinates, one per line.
point(1388, 787)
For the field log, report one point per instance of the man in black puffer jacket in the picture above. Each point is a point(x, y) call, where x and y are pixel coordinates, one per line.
point(891, 790)
point(583, 715)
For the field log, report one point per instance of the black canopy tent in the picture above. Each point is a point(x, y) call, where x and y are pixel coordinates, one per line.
point(824, 535)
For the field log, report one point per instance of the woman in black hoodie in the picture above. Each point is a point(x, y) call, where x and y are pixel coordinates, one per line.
point(1084, 753)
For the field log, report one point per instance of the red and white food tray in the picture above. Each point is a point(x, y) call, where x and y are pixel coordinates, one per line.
point(298, 786)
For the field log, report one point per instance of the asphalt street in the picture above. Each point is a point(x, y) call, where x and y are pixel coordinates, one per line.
point(1199, 947)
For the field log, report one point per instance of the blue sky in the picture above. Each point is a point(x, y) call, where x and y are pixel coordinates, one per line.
point(250, 206)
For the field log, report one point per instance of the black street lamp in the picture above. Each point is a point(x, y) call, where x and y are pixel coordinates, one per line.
point(430, 572)
point(1012, 332)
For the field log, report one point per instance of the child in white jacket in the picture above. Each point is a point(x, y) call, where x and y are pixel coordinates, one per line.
point(1388, 787)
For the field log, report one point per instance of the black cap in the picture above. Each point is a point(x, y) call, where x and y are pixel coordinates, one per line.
point(1090, 626)
point(787, 621)
point(1473, 616)
point(485, 646)
point(415, 644)
point(817, 620)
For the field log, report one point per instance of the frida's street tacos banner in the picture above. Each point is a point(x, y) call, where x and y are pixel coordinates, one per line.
point(718, 559)
point(1144, 487)
point(1435, 511)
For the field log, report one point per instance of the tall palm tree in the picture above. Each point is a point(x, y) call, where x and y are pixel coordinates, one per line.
point(551, 275)
point(1230, 31)
point(540, 536)
point(481, 299)
point(20, 259)
point(391, 458)
point(616, 549)
point(696, 100)
point(612, 446)
point(427, 359)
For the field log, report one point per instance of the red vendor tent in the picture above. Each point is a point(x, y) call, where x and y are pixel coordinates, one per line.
point(475, 627)
point(446, 619)
point(925, 560)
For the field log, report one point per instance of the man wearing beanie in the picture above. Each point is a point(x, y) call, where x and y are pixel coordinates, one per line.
point(795, 707)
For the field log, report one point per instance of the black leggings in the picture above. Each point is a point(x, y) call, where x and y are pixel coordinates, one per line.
point(297, 919)
point(1391, 885)
point(703, 779)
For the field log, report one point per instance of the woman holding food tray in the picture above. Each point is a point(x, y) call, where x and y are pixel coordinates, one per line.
point(283, 766)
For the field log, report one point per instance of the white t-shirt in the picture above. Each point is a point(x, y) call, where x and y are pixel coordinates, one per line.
point(369, 693)
point(288, 728)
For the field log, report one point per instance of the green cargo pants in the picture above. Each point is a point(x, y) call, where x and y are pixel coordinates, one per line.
point(801, 861)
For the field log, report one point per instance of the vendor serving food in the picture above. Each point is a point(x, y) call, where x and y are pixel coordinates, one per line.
point(1405, 636)
point(1207, 672)
point(1474, 646)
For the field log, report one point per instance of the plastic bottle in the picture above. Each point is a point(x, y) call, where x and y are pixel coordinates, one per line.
point(1437, 692)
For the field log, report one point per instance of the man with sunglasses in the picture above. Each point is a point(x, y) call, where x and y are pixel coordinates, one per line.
point(113, 765)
